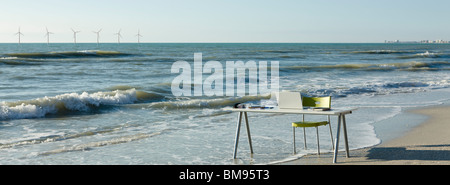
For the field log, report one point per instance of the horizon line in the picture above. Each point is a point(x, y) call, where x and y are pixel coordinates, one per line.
point(203, 43)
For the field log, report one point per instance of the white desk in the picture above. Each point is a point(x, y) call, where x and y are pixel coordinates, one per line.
point(336, 112)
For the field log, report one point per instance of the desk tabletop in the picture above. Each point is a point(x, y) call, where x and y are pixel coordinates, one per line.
point(292, 111)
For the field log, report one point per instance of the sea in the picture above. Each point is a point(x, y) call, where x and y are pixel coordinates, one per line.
point(110, 103)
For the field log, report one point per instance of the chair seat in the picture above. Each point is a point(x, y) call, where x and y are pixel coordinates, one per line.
point(309, 123)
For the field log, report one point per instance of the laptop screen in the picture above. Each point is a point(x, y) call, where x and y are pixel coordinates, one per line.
point(290, 100)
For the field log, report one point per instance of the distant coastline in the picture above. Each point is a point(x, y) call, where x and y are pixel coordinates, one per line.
point(422, 41)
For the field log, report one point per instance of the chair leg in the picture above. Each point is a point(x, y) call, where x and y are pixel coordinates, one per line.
point(318, 145)
point(293, 131)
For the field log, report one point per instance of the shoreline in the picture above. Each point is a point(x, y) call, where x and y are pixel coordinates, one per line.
point(425, 144)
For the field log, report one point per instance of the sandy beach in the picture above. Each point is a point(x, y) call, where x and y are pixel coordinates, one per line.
point(426, 144)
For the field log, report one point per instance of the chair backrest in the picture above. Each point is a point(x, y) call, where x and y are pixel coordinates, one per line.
point(322, 102)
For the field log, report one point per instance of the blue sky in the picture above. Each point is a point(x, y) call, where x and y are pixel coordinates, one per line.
point(227, 20)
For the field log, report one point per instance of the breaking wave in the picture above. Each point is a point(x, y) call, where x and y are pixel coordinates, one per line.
point(378, 89)
point(410, 66)
point(66, 54)
point(206, 103)
point(426, 55)
point(383, 52)
point(69, 103)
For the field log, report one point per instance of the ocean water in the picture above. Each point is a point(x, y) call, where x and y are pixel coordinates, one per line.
point(113, 104)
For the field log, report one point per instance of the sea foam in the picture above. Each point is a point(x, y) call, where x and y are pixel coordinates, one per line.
point(67, 103)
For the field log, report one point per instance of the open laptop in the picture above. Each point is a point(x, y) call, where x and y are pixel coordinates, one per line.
point(290, 100)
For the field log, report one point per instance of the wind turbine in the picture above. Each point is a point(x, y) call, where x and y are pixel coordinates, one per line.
point(139, 35)
point(75, 35)
point(118, 36)
point(48, 35)
point(19, 33)
point(98, 34)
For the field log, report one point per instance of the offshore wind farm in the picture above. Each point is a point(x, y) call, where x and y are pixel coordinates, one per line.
point(20, 34)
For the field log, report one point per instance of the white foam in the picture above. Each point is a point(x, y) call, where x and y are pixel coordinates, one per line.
point(206, 103)
point(86, 146)
point(83, 102)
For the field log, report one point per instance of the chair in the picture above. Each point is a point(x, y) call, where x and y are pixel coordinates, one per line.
point(314, 102)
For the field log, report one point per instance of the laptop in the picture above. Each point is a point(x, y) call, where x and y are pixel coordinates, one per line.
point(290, 100)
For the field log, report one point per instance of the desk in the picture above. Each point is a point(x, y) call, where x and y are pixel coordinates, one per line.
point(336, 112)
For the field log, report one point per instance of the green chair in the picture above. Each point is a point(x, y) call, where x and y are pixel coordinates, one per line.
point(314, 102)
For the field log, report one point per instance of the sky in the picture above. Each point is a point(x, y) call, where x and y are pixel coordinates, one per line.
point(291, 21)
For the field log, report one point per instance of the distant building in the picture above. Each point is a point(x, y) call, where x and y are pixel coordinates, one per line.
point(439, 41)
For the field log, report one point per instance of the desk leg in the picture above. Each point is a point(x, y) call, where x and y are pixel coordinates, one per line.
point(248, 132)
point(345, 135)
point(336, 141)
point(236, 141)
